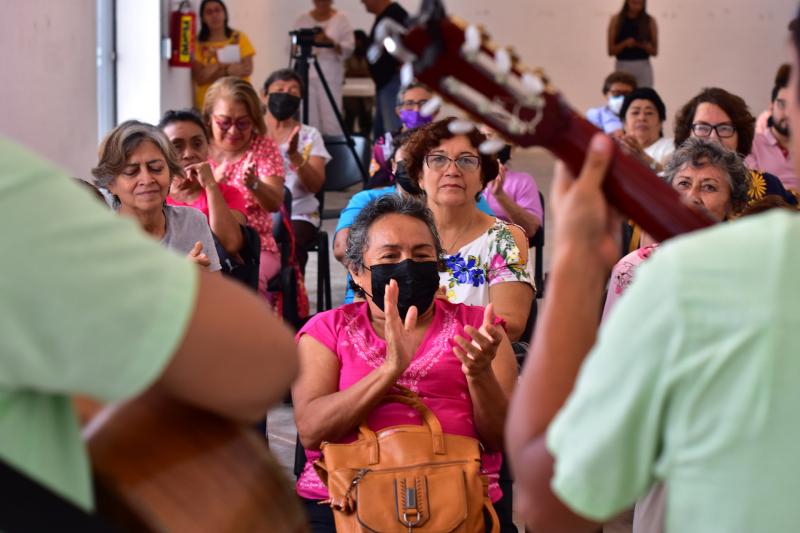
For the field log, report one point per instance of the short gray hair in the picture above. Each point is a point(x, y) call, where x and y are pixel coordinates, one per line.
point(120, 143)
point(413, 85)
point(698, 152)
point(389, 204)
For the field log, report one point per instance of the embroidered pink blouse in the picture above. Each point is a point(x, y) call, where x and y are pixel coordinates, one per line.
point(434, 373)
point(269, 162)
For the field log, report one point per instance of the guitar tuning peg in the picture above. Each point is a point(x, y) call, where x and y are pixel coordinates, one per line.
point(430, 107)
point(472, 40)
point(502, 60)
point(407, 74)
point(460, 127)
point(374, 53)
point(491, 146)
point(533, 83)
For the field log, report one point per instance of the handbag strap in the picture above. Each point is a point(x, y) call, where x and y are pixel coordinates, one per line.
point(411, 399)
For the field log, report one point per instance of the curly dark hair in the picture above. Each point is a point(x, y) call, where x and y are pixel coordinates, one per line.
point(734, 106)
point(427, 138)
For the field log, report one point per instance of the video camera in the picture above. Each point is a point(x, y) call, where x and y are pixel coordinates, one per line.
point(305, 36)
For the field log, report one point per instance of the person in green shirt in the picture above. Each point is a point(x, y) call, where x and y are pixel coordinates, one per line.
point(90, 305)
point(691, 383)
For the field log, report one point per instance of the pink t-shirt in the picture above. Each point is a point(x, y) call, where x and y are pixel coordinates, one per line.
point(434, 373)
point(269, 162)
point(623, 273)
point(232, 196)
point(767, 156)
point(520, 187)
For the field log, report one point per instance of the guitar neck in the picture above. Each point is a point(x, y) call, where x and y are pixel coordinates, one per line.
point(630, 187)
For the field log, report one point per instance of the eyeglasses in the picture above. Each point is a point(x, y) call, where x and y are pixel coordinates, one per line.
point(411, 104)
point(465, 163)
point(226, 123)
point(724, 131)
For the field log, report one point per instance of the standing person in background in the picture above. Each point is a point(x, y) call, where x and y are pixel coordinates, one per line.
point(217, 38)
point(386, 70)
point(633, 39)
point(358, 108)
point(770, 151)
point(336, 33)
point(616, 87)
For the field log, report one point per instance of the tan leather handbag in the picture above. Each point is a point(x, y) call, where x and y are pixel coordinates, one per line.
point(407, 478)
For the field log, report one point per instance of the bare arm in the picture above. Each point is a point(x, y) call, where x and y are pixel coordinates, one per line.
point(652, 46)
point(340, 244)
point(490, 388)
point(224, 223)
point(519, 215)
point(512, 300)
point(205, 74)
point(321, 412)
point(260, 359)
point(312, 173)
point(242, 69)
point(565, 334)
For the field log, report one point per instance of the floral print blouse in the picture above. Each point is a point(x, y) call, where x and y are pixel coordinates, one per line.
point(490, 259)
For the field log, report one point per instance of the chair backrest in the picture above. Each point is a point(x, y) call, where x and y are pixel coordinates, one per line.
point(280, 232)
point(537, 243)
point(342, 171)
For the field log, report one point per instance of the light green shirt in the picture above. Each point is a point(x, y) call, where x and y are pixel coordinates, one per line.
point(88, 304)
point(695, 380)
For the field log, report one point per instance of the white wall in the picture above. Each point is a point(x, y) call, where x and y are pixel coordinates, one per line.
point(736, 44)
point(48, 93)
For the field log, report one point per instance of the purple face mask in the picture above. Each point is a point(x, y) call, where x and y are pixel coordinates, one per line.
point(412, 119)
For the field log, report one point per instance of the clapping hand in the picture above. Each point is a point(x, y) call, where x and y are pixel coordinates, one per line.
point(294, 141)
point(400, 341)
point(497, 183)
point(197, 256)
point(250, 177)
point(477, 353)
point(201, 173)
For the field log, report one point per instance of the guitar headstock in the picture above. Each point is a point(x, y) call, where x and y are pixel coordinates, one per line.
point(459, 62)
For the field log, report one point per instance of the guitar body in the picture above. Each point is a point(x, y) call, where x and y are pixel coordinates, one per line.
point(161, 466)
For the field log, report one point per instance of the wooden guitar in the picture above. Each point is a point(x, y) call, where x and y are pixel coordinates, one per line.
point(160, 466)
point(488, 82)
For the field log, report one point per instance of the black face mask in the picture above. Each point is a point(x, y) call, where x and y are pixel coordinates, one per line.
point(283, 105)
point(418, 282)
point(404, 180)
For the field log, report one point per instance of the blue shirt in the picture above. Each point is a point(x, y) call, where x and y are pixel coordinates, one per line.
point(359, 201)
point(604, 118)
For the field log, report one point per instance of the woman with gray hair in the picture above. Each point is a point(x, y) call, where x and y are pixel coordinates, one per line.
point(710, 178)
point(136, 165)
point(456, 357)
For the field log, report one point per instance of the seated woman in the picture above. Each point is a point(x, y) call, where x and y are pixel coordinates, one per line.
point(305, 154)
point(513, 195)
point(409, 103)
point(244, 157)
point(223, 205)
point(710, 177)
point(643, 114)
point(137, 164)
point(486, 259)
point(724, 117)
point(401, 334)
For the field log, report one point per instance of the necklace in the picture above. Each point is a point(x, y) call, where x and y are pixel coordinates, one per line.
point(460, 235)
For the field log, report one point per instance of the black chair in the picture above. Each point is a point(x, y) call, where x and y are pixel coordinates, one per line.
point(537, 243)
point(285, 281)
point(341, 172)
point(245, 268)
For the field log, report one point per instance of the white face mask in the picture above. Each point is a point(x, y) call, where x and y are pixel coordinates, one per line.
point(615, 103)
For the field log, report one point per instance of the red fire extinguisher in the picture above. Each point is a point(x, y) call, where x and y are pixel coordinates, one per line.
point(181, 33)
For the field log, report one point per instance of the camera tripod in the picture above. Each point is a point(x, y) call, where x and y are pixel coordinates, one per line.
point(304, 40)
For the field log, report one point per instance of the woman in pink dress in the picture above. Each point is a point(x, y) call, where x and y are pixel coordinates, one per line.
point(456, 357)
point(243, 156)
